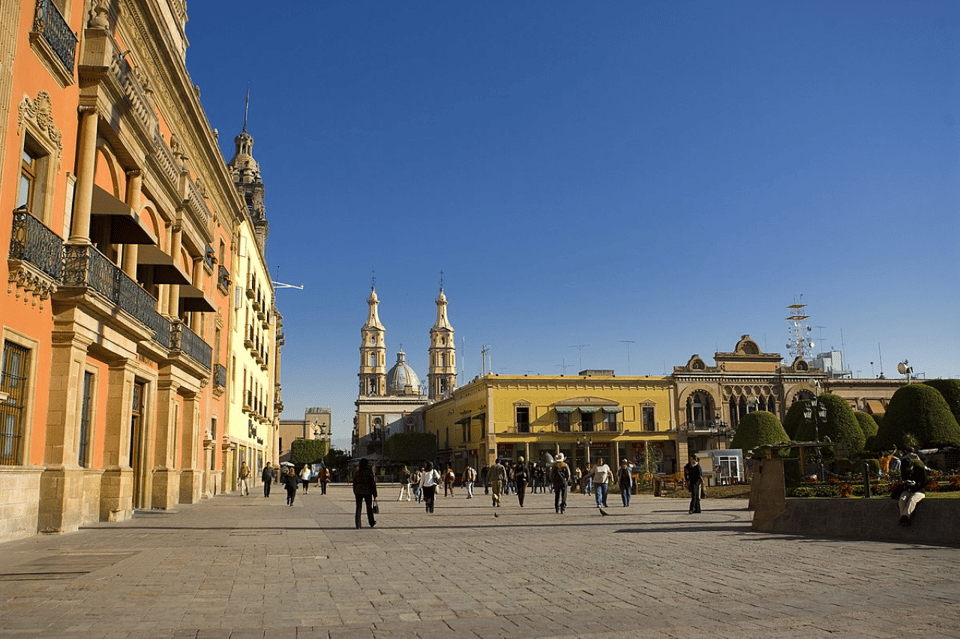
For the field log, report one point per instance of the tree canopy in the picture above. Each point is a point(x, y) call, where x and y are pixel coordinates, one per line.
point(794, 418)
point(950, 389)
point(757, 429)
point(868, 425)
point(918, 415)
point(307, 451)
point(411, 447)
point(841, 426)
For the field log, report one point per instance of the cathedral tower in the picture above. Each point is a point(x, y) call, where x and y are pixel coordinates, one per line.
point(246, 178)
point(373, 352)
point(442, 376)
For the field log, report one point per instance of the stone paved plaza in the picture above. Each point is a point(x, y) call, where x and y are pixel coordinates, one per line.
point(243, 567)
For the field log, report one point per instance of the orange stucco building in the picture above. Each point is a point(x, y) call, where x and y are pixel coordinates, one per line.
point(124, 227)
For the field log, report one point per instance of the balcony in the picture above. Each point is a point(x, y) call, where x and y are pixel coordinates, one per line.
point(223, 280)
point(219, 376)
point(54, 41)
point(190, 344)
point(36, 256)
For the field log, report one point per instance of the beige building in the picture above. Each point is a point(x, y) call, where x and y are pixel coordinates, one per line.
point(316, 424)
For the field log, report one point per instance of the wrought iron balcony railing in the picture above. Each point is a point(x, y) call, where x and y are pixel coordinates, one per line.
point(223, 279)
point(220, 376)
point(49, 22)
point(189, 343)
point(33, 242)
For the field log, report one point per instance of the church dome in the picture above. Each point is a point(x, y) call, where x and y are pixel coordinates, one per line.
point(401, 380)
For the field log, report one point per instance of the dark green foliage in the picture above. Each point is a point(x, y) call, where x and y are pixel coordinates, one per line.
point(878, 417)
point(794, 418)
point(307, 451)
point(758, 428)
point(950, 389)
point(411, 447)
point(336, 459)
point(841, 427)
point(918, 415)
point(867, 424)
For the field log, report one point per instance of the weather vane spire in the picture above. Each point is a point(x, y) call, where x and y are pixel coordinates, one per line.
point(441, 281)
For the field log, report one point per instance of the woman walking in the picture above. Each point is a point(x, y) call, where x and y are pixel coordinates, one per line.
point(693, 475)
point(365, 490)
point(428, 484)
point(289, 480)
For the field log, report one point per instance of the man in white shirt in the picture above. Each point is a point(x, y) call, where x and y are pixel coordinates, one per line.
point(601, 482)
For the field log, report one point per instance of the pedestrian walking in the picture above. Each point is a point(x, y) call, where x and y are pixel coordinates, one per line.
point(267, 479)
point(323, 476)
point(305, 475)
point(625, 480)
point(498, 480)
point(415, 483)
point(520, 477)
point(449, 477)
point(404, 484)
point(428, 484)
point(484, 472)
point(290, 481)
point(469, 479)
point(693, 475)
point(365, 490)
point(244, 476)
point(560, 478)
point(601, 482)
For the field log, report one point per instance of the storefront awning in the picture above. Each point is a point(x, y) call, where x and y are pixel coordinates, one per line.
point(564, 409)
point(164, 269)
point(125, 224)
point(611, 409)
point(588, 409)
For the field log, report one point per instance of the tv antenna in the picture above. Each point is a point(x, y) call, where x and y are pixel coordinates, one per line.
point(279, 285)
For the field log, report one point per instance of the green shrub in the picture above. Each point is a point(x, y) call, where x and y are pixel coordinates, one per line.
point(867, 424)
point(757, 429)
point(841, 426)
point(794, 418)
point(918, 415)
point(950, 389)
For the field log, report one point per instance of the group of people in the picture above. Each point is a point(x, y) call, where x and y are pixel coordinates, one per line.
point(288, 477)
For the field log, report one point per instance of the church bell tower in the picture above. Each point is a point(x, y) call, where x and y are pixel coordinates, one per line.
point(373, 352)
point(442, 376)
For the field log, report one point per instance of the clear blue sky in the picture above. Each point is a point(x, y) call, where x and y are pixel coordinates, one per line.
point(670, 173)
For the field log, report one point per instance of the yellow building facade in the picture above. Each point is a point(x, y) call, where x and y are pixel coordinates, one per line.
point(585, 417)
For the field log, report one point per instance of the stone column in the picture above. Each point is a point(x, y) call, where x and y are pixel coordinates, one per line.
point(176, 237)
point(191, 466)
point(86, 168)
point(116, 484)
point(166, 484)
point(130, 251)
point(61, 483)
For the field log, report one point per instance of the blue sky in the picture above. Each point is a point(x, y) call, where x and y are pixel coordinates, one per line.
point(669, 173)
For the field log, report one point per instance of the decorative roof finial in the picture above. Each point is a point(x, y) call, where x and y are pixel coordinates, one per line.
point(245, 110)
point(373, 280)
point(441, 281)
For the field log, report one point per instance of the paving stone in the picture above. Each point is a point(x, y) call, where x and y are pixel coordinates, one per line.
point(245, 569)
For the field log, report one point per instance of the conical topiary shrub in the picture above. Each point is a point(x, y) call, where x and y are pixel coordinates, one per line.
point(841, 426)
point(918, 415)
point(757, 429)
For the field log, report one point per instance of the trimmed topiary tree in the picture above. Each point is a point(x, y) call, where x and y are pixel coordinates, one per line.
point(757, 429)
point(794, 418)
point(307, 451)
point(950, 389)
point(918, 415)
point(840, 426)
point(411, 447)
point(867, 425)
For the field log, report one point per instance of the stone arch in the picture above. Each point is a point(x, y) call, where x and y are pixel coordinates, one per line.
point(108, 171)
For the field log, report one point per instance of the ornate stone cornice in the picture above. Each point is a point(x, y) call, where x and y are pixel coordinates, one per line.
point(39, 113)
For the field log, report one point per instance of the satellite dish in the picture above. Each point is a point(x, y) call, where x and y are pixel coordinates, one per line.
point(902, 368)
point(812, 344)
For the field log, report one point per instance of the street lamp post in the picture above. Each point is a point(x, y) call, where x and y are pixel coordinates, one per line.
point(816, 411)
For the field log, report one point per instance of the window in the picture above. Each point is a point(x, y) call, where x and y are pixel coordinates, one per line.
point(86, 418)
point(610, 420)
point(523, 419)
point(649, 421)
point(586, 422)
point(13, 383)
point(32, 172)
point(563, 422)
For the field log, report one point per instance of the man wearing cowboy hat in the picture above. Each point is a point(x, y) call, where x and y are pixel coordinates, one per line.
point(560, 476)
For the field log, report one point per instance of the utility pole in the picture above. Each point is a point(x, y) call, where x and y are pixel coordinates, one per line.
point(483, 354)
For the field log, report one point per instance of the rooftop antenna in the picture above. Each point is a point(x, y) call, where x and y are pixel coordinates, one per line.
point(628, 342)
point(580, 348)
point(799, 344)
point(246, 108)
point(279, 285)
point(562, 367)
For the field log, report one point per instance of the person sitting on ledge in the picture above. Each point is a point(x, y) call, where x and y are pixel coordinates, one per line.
point(914, 483)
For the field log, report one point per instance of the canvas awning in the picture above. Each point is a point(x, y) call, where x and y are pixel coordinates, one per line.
point(588, 409)
point(164, 269)
point(125, 225)
point(874, 406)
point(564, 409)
point(611, 409)
point(479, 416)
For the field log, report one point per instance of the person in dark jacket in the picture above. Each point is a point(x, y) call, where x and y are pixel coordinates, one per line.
point(290, 481)
point(914, 484)
point(693, 475)
point(520, 478)
point(625, 481)
point(560, 478)
point(267, 479)
point(365, 490)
